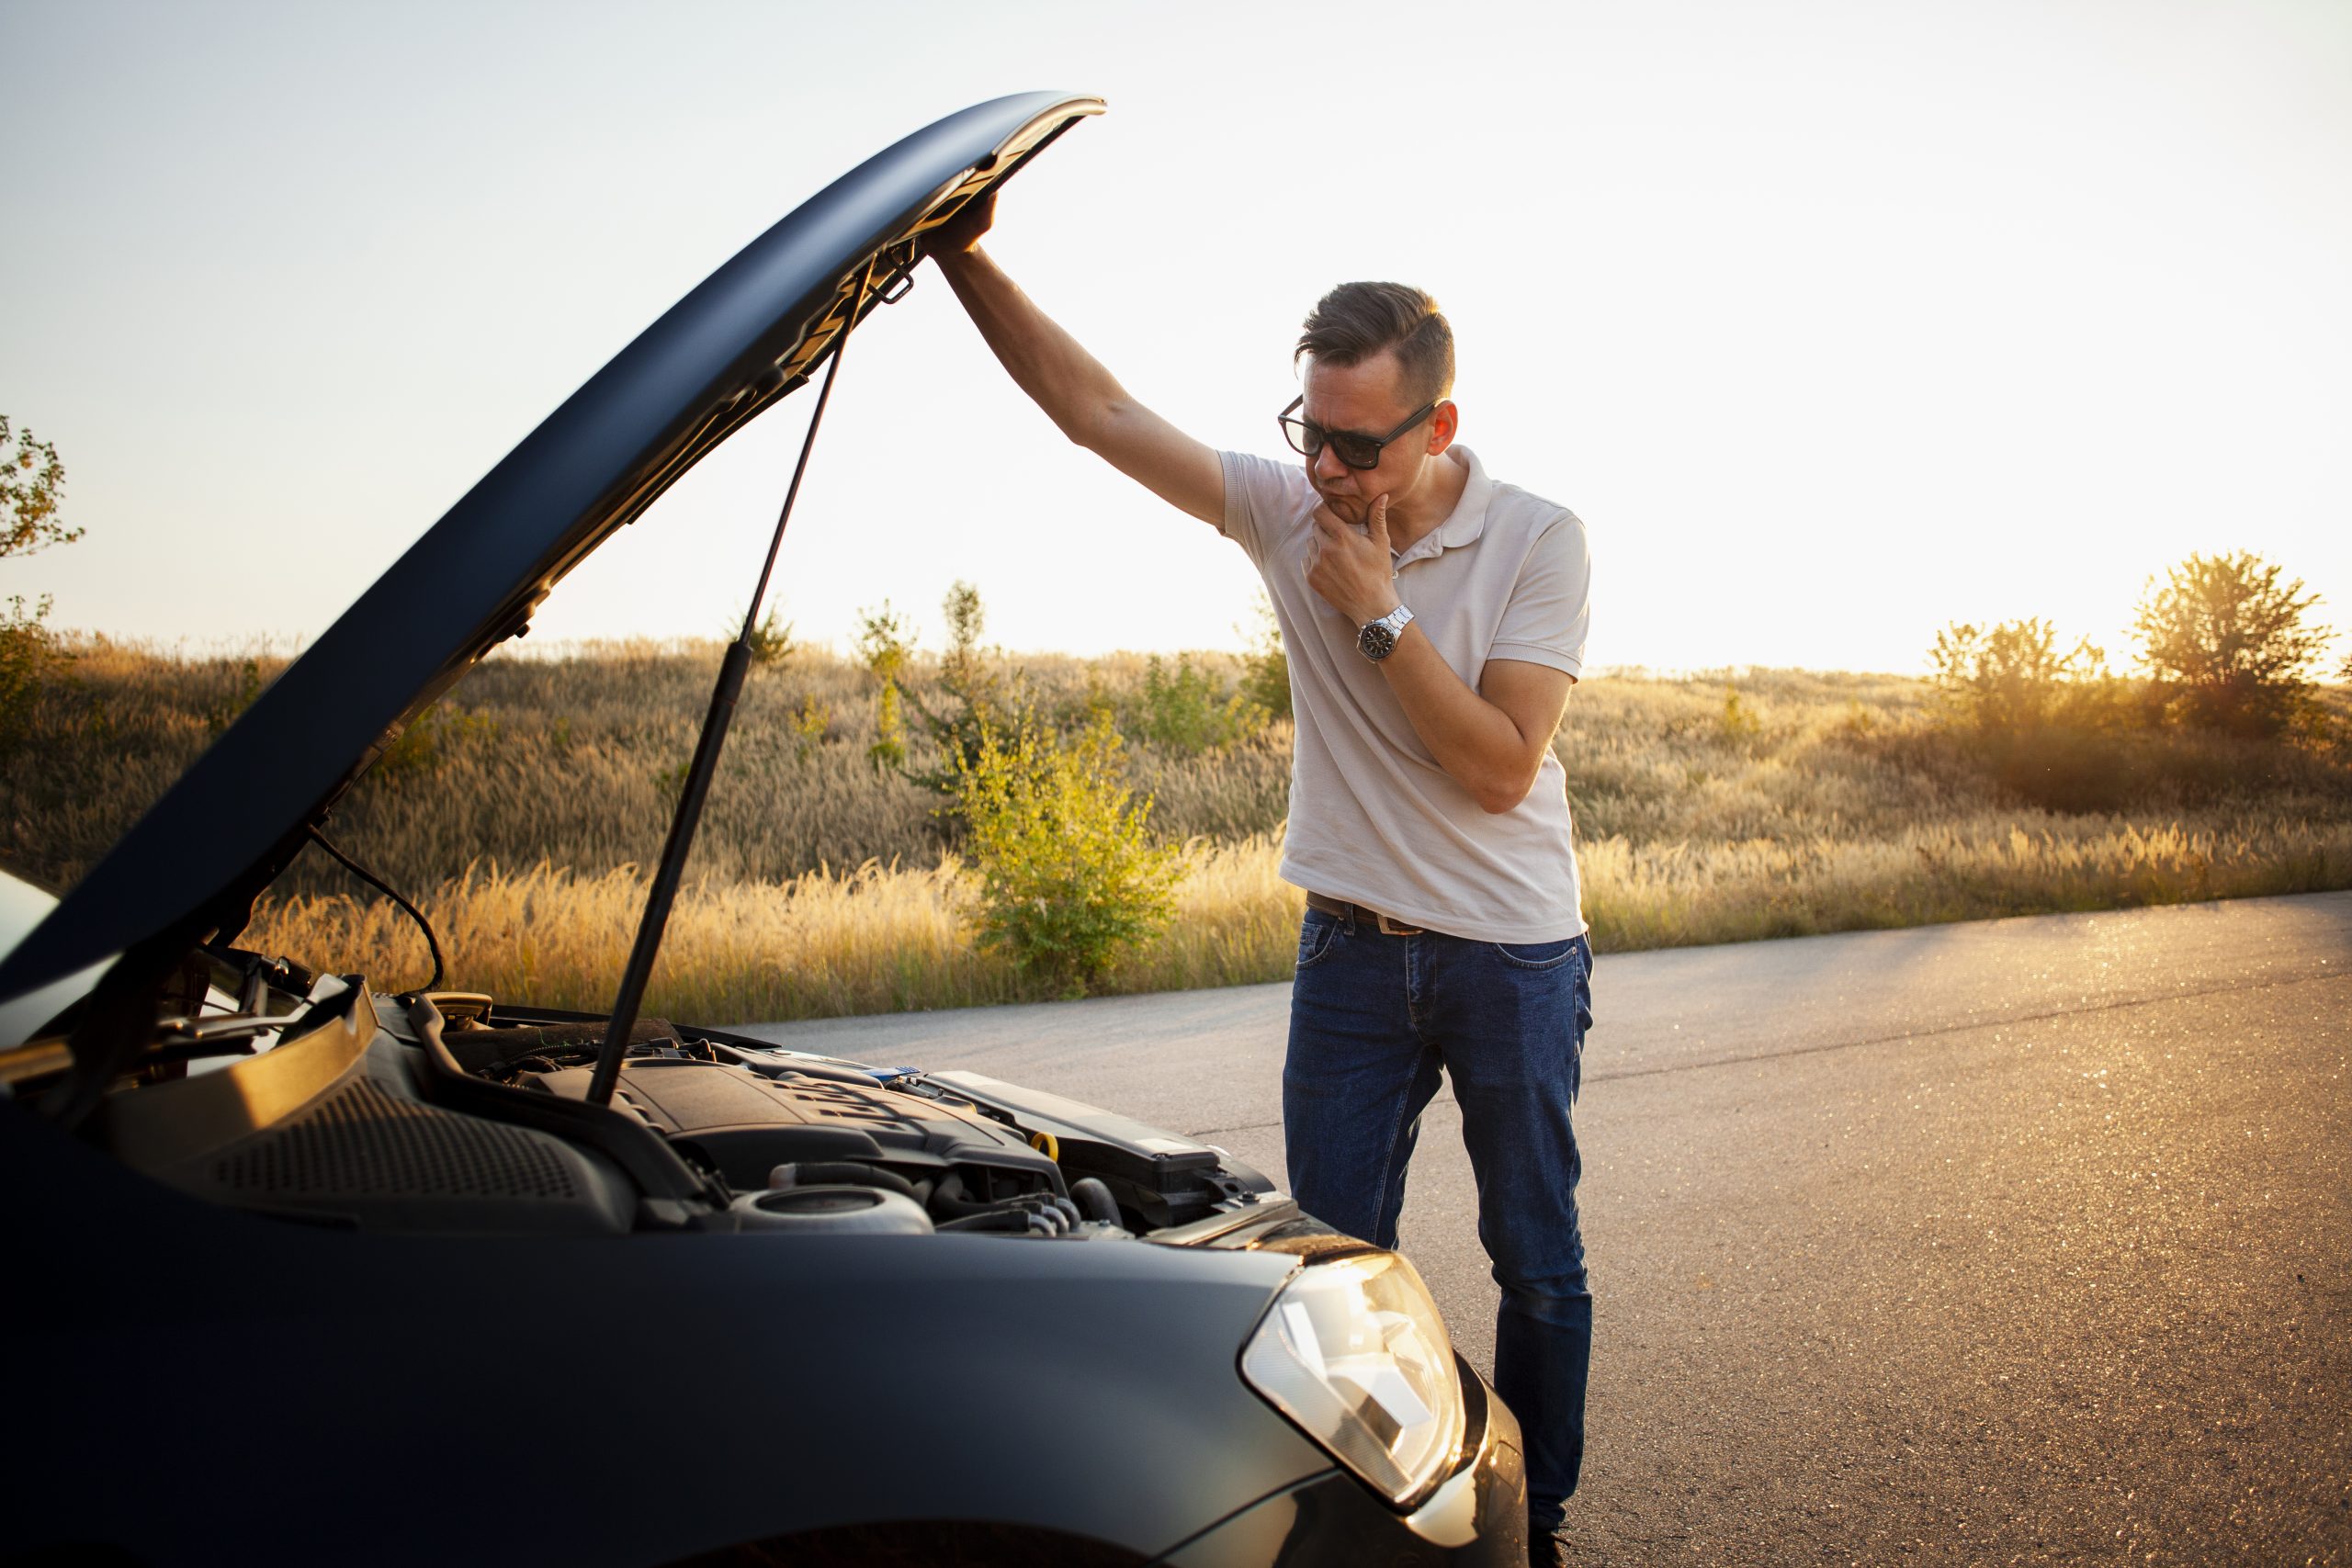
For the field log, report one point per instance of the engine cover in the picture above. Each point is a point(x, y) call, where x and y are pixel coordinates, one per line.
point(744, 1123)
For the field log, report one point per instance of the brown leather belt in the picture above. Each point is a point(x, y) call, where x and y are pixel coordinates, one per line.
point(1354, 913)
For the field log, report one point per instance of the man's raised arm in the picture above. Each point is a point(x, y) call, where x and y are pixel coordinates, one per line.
point(1077, 393)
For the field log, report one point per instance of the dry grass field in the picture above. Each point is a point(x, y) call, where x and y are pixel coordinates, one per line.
point(521, 812)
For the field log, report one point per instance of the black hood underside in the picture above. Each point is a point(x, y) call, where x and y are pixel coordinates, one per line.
point(751, 333)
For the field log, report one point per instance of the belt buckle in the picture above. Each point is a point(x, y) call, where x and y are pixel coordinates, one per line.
point(1390, 928)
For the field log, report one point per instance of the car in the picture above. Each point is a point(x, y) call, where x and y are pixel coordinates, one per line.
point(304, 1270)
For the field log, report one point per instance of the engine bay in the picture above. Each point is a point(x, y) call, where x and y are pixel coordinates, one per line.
point(448, 1112)
point(973, 1153)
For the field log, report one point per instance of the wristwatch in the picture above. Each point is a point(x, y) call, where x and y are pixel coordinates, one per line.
point(1377, 639)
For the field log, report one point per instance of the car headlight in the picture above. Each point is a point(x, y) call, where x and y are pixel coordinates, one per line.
point(1353, 1351)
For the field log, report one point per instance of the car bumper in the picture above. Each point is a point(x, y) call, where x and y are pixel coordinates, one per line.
point(1477, 1516)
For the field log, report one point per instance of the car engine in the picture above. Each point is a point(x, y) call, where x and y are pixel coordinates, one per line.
point(391, 1115)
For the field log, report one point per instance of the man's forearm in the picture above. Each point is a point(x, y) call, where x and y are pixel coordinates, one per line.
point(1480, 747)
point(1081, 397)
point(1490, 738)
point(1053, 367)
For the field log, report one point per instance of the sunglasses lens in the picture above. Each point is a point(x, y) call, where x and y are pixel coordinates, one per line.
point(1307, 439)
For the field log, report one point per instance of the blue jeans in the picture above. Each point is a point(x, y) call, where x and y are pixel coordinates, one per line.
point(1373, 1020)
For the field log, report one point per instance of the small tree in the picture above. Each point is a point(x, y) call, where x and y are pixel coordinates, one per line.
point(29, 652)
point(809, 727)
point(32, 488)
point(1738, 723)
point(978, 697)
point(1266, 681)
point(2011, 678)
point(2231, 639)
point(1070, 879)
point(771, 641)
point(974, 696)
point(967, 619)
point(884, 642)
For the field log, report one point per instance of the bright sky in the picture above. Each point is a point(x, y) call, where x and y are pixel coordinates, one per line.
point(1833, 321)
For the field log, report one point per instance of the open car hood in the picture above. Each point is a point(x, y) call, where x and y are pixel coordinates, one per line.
point(751, 333)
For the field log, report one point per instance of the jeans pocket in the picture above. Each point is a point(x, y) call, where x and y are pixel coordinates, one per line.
point(1535, 954)
point(1315, 936)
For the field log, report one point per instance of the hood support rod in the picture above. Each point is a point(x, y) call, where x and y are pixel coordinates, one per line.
point(688, 816)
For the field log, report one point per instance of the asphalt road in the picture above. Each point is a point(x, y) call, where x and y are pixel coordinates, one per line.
point(2023, 1241)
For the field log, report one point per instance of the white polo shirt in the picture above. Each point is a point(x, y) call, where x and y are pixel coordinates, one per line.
point(1373, 818)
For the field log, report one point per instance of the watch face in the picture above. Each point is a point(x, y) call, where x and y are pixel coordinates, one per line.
point(1376, 640)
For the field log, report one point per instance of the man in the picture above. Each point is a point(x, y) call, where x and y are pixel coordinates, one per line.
point(1435, 622)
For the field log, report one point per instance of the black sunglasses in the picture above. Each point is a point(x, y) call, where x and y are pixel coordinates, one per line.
point(1354, 448)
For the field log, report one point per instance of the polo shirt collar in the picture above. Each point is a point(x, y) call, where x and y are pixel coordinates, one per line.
point(1465, 522)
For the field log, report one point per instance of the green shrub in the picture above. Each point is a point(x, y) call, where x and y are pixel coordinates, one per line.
point(1189, 710)
point(886, 640)
point(809, 727)
point(2075, 770)
point(2045, 724)
point(32, 488)
point(220, 714)
point(1069, 877)
point(30, 655)
point(2011, 678)
point(423, 746)
point(975, 697)
point(770, 642)
point(888, 747)
point(885, 643)
point(1267, 680)
point(1738, 724)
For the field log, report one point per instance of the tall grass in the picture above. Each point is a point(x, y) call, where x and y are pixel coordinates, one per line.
point(1708, 809)
point(1990, 864)
point(575, 760)
point(877, 939)
point(872, 939)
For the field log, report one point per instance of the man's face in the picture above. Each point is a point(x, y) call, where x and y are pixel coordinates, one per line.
point(1368, 399)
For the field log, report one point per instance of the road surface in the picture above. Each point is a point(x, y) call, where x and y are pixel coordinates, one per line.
point(2014, 1242)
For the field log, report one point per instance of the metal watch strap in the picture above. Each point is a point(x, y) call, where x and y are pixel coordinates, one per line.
point(1377, 639)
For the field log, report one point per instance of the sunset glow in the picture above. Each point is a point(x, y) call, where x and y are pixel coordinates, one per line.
point(1836, 322)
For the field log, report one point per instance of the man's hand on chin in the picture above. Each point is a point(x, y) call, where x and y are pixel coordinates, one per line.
point(1353, 572)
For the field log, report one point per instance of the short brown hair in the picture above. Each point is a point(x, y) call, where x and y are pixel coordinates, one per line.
point(1356, 321)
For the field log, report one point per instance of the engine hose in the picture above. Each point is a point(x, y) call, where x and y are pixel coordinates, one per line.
point(852, 1173)
point(947, 1203)
point(1047, 1215)
point(1095, 1200)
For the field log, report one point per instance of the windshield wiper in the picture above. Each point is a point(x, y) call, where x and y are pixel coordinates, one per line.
point(731, 671)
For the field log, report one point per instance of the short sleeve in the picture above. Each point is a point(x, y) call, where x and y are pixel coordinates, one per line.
point(1261, 498)
point(1550, 608)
